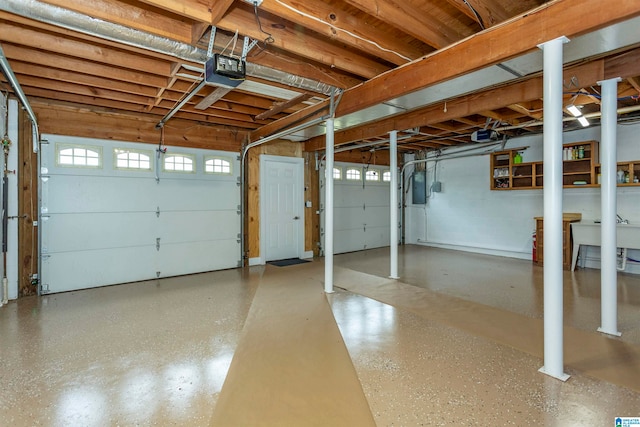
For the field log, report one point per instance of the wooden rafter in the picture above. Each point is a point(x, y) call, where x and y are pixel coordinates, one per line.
point(341, 25)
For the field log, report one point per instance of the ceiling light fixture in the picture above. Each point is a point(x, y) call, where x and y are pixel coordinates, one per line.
point(575, 111)
point(583, 121)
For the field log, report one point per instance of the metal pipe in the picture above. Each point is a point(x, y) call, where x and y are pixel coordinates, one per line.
point(17, 89)
point(393, 204)
point(552, 196)
point(608, 207)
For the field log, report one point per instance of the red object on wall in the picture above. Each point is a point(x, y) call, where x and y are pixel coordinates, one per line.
point(534, 253)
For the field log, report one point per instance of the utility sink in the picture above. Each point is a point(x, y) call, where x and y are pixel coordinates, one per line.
point(588, 233)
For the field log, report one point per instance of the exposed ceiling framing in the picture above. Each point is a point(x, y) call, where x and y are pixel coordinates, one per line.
point(435, 70)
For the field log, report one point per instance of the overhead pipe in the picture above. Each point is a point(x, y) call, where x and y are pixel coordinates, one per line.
point(17, 90)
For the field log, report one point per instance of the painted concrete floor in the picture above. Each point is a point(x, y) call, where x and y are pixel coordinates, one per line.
point(456, 341)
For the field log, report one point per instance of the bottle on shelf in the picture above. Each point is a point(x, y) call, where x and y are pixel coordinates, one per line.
point(517, 159)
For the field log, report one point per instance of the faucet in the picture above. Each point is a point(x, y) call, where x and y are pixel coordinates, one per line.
point(619, 220)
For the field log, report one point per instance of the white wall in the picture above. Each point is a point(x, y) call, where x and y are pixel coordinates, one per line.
point(468, 216)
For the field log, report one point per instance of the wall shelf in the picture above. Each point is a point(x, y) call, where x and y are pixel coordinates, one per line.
point(578, 170)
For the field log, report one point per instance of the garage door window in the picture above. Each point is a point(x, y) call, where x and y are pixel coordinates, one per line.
point(217, 165)
point(179, 163)
point(353, 174)
point(132, 159)
point(337, 173)
point(79, 156)
point(372, 175)
point(386, 176)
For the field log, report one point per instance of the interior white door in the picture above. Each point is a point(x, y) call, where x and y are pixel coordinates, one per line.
point(282, 213)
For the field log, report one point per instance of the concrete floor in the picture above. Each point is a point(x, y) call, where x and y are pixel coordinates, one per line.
point(456, 341)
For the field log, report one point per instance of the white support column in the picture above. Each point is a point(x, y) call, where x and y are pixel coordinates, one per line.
point(328, 210)
point(552, 193)
point(608, 201)
point(393, 203)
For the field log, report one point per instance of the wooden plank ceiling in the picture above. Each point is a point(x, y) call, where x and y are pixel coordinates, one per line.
point(331, 43)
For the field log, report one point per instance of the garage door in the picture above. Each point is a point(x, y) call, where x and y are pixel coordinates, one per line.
point(115, 212)
point(361, 207)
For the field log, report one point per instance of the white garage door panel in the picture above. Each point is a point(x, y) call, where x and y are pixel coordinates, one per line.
point(179, 226)
point(348, 241)
point(79, 270)
point(194, 257)
point(346, 218)
point(82, 232)
point(361, 212)
point(106, 226)
point(198, 195)
point(348, 195)
point(377, 237)
point(100, 194)
point(376, 216)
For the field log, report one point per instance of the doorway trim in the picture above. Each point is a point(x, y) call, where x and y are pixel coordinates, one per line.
point(299, 202)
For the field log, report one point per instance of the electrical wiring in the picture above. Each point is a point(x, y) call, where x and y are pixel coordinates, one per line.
point(269, 38)
point(233, 39)
point(475, 12)
point(306, 15)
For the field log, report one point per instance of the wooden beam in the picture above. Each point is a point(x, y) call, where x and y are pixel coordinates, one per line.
point(291, 120)
point(340, 24)
point(83, 50)
point(55, 76)
point(279, 107)
point(491, 11)
point(140, 128)
point(194, 9)
point(314, 48)
point(526, 90)
point(27, 206)
point(218, 9)
point(404, 16)
point(497, 44)
point(635, 82)
point(518, 36)
point(61, 62)
point(299, 66)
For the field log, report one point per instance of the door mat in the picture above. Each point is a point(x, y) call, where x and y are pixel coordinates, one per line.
point(286, 262)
